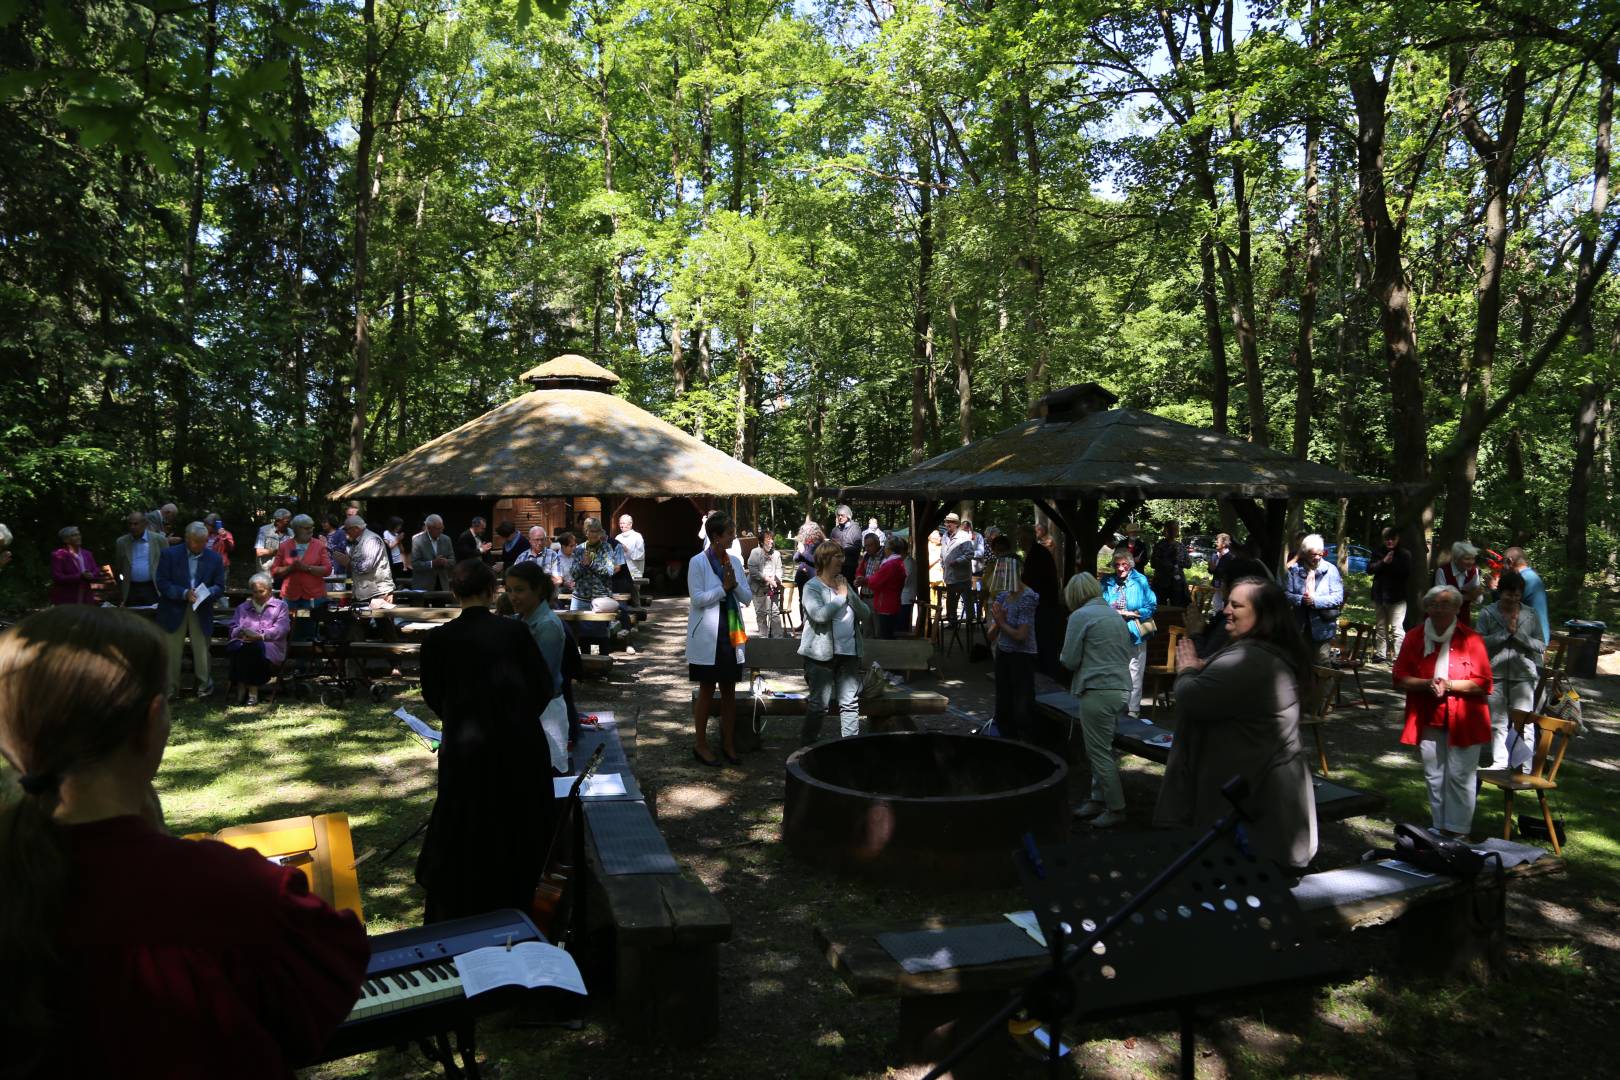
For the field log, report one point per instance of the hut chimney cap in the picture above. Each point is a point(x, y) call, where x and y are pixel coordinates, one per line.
point(570, 370)
point(1075, 402)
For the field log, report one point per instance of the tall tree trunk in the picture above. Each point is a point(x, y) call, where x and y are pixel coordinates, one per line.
point(677, 165)
point(1497, 157)
point(1040, 373)
point(922, 334)
point(1595, 388)
point(362, 228)
point(181, 388)
point(1304, 347)
point(962, 361)
point(1389, 292)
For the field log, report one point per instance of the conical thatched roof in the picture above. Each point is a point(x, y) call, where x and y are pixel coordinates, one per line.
point(1121, 453)
point(569, 366)
point(569, 437)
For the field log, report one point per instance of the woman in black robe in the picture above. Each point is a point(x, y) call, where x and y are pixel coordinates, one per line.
point(492, 821)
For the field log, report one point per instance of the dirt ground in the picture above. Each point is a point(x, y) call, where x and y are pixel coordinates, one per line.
point(785, 1013)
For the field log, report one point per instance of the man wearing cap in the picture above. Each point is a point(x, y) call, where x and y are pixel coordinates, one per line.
point(847, 535)
point(1135, 544)
point(270, 538)
point(956, 561)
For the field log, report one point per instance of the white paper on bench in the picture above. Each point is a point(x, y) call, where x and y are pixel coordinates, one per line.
point(418, 726)
point(599, 784)
point(530, 964)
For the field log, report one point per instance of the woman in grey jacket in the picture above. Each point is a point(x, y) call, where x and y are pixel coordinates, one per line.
point(1238, 714)
point(831, 645)
point(1513, 642)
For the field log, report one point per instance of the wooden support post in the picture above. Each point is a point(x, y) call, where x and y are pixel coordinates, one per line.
point(1277, 529)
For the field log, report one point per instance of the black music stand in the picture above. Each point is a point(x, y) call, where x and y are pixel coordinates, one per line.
point(1223, 925)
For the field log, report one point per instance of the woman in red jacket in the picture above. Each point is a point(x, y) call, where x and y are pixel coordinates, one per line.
point(886, 582)
point(128, 952)
point(1446, 674)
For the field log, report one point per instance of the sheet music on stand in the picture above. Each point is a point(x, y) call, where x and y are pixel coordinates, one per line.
point(1226, 925)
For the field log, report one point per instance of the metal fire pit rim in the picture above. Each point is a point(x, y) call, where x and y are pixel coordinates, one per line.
point(797, 770)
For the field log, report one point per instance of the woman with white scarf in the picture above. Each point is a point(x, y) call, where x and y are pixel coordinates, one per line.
point(1446, 674)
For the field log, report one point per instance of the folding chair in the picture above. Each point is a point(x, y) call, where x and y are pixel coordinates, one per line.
point(1354, 638)
point(1552, 740)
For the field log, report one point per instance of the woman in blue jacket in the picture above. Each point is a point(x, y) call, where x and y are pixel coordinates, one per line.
point(1129, 593)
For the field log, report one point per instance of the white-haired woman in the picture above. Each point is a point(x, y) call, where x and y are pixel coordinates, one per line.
point(1131, 597)
point(1445, 673)
point(258, 645)
point(302, 563)
point(1462, 573)
point(73, 570)
point(1097, 647)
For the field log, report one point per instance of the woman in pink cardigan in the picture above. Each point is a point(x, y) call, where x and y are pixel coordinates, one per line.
point(73, 570)
point(258, 644)
point(301, 565)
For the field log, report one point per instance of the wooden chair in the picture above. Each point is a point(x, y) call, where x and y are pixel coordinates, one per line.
point(1554, 672)
point(1354, 640)
point(1314, 717)
point(1164, 674)
point(1201, 599)
point(1552, 740)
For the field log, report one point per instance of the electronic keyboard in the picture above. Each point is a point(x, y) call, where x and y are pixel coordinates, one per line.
point(412, 990)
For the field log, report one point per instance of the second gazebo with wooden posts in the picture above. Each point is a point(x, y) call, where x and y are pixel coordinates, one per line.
point(1078, 451)
point(567, 448)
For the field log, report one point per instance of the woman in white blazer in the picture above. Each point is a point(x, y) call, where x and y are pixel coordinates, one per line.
point(718, 586)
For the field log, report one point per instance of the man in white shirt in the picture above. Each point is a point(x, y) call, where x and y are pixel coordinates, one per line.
point(634, 546)
point(956, 561)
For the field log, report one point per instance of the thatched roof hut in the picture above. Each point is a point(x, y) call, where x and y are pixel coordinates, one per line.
point(1078, 450)
point(569, 435)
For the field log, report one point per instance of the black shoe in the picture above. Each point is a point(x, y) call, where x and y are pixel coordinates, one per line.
point(713, 763)
point(731, 759)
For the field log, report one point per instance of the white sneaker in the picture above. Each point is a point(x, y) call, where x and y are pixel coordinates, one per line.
point(1090, 809)
point(1108, 819)
point(253, 698)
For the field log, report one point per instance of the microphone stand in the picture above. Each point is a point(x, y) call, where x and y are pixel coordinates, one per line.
point(1051, 995)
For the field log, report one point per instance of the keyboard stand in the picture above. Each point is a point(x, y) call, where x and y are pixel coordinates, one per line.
point(436, 1048)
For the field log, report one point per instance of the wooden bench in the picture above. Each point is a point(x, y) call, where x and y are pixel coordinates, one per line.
point(654, 937)
point(936, 1006)
point(894, 707)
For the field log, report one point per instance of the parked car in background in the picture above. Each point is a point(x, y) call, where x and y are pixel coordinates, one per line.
point(1358, 557)
point(1200, 548)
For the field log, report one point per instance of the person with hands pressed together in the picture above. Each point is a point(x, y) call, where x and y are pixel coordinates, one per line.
point(1445, 673)
point(128, 952)
point(831, 645)
point(1127, 591)
point(301, 565)
point(1512, 633)
point(717, 585)
point(1462, 573)
point(1238, 714)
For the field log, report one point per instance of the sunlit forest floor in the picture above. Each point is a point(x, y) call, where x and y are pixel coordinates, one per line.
point(785, 1013)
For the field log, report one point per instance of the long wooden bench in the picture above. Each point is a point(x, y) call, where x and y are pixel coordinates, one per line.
point(789, 697)
point(943, 1001)
point(652, 933)
point(1150, 740)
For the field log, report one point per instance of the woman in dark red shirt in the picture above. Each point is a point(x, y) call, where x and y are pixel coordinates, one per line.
point(1446, 673)
point(128, 952)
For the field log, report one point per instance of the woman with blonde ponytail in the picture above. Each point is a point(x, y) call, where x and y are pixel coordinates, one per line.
point(125, 951)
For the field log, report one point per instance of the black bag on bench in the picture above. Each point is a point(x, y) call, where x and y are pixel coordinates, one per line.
point(1417, 846)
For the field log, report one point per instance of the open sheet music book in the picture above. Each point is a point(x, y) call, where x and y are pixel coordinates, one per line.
point(530, 964)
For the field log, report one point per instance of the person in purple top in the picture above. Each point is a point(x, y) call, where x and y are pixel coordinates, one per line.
point(258, 645)
point(73, 570)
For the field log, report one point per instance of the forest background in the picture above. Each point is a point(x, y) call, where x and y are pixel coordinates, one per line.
point(250, 249)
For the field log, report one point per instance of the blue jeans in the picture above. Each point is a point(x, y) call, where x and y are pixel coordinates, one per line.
point(840, 675)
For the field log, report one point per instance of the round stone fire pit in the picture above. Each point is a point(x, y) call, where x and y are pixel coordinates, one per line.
point(923, 808)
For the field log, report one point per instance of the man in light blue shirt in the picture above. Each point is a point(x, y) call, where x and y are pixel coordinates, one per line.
point(1535, 590)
